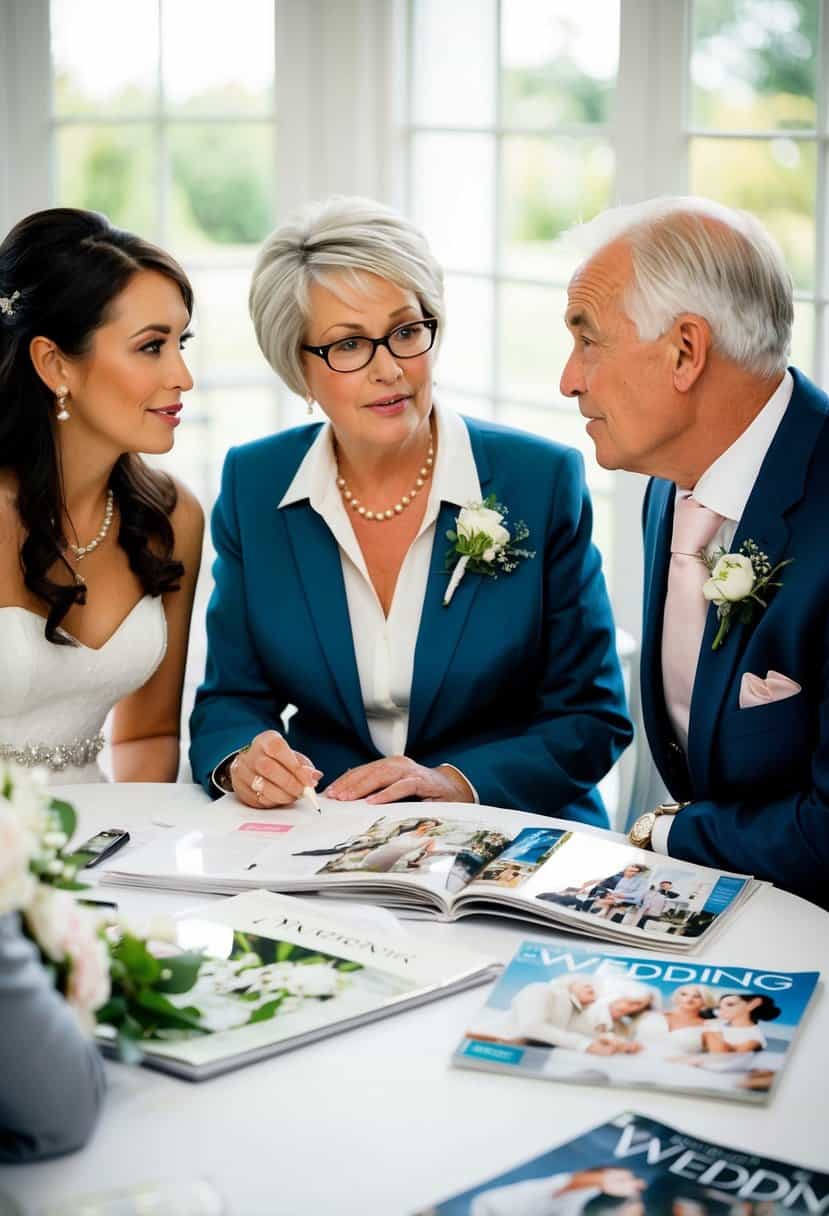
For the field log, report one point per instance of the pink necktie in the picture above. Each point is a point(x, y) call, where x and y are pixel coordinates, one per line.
point(685, 608)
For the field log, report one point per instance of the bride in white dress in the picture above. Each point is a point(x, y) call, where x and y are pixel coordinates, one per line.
point(98, 553)
point(677, 1031)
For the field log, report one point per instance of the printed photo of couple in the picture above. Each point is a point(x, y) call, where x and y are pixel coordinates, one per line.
point(451, 851)
point(597, 1026)
point(620, 884)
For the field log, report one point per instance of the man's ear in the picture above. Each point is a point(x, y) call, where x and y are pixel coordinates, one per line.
point(49, 363)
point(691, 342)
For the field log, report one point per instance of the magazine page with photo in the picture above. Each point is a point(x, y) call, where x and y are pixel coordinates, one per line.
point(593, 1018)
point(606, 888)
point(446, 860)
point(278, 972)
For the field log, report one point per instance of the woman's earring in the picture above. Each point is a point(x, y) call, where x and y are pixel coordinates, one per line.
point(61, 394)
point(309, 400)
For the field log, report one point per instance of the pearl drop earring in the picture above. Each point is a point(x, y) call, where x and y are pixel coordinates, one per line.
point(61, 394)
point(309, 401)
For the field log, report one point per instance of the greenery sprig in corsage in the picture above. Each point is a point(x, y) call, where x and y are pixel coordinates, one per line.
point(738, 585)
point(482, 544)
point(107, 973)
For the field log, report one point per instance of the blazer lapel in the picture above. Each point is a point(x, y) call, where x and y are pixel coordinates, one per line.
point(441, 628)
point(319, 570)
point(780, 485)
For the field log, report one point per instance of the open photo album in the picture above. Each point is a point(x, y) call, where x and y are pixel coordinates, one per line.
point(279, 972)
point(589, 1017)
point(447, 860)
point(635, 1166)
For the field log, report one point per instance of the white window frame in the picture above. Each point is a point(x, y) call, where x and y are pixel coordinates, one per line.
point(339, 68)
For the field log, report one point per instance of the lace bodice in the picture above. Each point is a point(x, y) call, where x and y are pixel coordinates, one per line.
point(54, 699)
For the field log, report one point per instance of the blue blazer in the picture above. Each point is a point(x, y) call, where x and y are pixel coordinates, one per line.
point(516, 682)
point(758, 778)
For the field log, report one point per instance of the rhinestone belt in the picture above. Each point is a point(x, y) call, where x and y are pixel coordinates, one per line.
point(55, 756)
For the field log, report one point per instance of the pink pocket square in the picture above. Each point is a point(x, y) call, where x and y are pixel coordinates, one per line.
point(754, 691)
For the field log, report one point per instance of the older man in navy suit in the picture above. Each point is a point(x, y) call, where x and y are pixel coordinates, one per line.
point(681, 319)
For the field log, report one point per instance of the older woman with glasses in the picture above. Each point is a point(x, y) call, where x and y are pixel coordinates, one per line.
point(368, 574)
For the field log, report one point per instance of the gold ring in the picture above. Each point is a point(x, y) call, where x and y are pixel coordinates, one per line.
point(256, 785)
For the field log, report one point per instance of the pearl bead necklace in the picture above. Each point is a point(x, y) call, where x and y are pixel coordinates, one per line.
point(81, 551)
point(399, 507)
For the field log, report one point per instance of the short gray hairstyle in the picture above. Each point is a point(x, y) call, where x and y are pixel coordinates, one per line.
point(338, 236)
point(692, 255)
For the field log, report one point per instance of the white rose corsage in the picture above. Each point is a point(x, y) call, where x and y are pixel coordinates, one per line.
point(482, 544)
point(737, 584)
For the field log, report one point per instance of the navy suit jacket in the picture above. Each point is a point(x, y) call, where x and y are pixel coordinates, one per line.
point(516, 682)
point(758, 778)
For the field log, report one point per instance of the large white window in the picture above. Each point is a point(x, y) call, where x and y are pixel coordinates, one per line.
point(510, 107)
point(176, 141)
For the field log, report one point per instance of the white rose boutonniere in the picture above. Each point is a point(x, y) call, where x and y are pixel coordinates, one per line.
point(482, 543)
point(737, 584)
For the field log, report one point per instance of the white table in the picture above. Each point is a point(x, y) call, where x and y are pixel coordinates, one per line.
point(375, 1122)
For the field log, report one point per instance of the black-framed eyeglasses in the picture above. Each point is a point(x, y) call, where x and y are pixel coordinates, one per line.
point(407, 341)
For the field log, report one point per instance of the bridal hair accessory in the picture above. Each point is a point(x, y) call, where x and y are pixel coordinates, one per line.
point(399, 507)
point(81, 551)
point(736, 583)
point(7, 303)
point(61, 394)
point(481, 543)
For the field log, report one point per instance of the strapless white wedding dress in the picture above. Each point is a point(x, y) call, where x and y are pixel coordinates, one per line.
point(54, 699)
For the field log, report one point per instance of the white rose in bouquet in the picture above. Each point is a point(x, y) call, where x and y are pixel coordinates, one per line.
point(732, 579)
point(17, 844)
point(68, 934)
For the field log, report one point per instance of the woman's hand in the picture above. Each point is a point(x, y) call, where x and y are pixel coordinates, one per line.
point(397, 777)
point(269, 773)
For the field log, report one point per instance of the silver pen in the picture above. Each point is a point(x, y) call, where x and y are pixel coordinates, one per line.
point(311, 794)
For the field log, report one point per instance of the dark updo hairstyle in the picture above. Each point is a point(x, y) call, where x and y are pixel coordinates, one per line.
point(766, 1011)
point(61, 270)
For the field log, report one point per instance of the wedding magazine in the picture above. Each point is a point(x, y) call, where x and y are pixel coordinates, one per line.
point(634, 1166)
point(446, 860)
point(594, 1018)
point(281, 972)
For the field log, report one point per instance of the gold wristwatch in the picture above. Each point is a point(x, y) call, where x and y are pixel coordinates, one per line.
point(642, 829)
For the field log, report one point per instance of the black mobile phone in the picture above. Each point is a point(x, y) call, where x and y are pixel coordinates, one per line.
point(102, 845)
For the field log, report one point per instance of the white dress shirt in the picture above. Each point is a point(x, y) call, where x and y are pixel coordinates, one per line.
point(725, 487)
point(384, 646)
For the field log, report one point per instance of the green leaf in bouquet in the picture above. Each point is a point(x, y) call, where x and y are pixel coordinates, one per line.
point(113, 1012)
point(164, 1012)
point(66, 816)
point(142, 967)
point(347, 965)
point(284, 950)
point(183, 972)
point(267, 1011)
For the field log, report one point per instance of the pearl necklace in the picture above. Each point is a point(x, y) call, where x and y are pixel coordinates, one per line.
point(81, 551)
point(399, 507)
